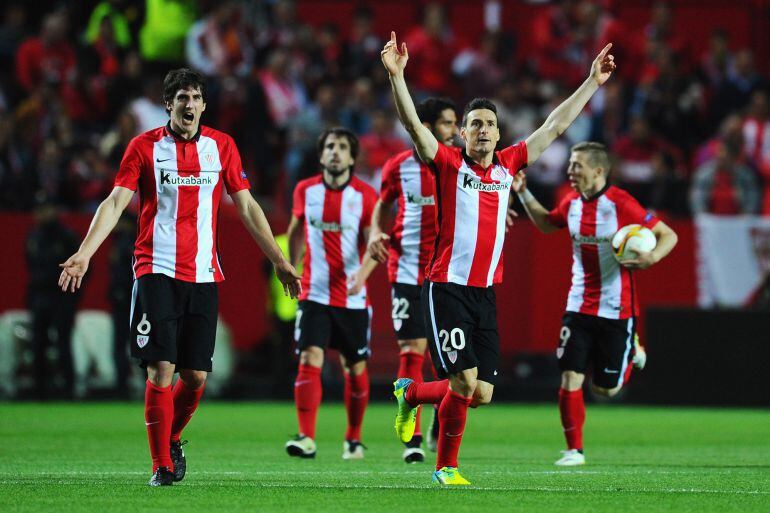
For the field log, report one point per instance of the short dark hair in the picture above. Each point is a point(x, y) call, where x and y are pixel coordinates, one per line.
point(429, 110)
point(478, 103)
point(597, 154)
point(338, 131)
point(182, 78)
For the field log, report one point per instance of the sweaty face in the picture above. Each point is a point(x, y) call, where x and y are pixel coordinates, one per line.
point(186, 109)
point(582, 177)
point(480, 132)
point(336, 157)
point(445, 127)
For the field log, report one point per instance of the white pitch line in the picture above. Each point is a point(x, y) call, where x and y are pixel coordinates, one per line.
point(404, 486)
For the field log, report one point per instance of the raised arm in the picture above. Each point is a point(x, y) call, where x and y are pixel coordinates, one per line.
point(395, 62)
point(563, 115)
point(105, 219)
point(535, 210)
point(254, 220)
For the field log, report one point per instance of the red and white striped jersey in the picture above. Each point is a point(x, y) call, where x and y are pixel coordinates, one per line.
point(334, 240)
point(180, 186)
point(406, 179)
point(472, 204)
point(600, 285)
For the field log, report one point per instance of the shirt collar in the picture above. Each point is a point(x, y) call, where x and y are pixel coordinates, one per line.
point(472, 162)
point(597, 194)
point(170, 131)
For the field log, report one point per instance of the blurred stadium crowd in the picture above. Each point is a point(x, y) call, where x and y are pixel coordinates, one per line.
point(689, 132)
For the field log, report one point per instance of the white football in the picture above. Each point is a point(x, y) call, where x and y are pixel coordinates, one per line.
point(629, 240)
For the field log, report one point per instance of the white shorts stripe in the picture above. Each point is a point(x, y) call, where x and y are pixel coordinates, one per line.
point(629, 345)
point(435, 328)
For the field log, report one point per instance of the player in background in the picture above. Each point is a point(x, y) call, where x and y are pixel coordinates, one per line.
point(598, 328)
point(180, 171)
point(406, 244)
point(330, 219)
point(472, 193)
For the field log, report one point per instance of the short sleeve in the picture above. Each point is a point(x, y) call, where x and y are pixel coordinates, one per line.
point(298, 201)
point(445, 158)
point(130, 167)
point(232, 169)
point(558, 216)
point(631, 212)
point(514, 158)
point(389, 189)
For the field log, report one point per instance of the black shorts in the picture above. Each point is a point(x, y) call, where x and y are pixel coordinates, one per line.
point(408, 320)
point(174, 321)
point(606, 344)
point(462, 323)
point(345, 329)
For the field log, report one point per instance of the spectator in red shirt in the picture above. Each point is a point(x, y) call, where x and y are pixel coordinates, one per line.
point(756, 136)
point(378, 146)
point(635, 152)
point(48, 57)
point(432, 49)
point(723, 186)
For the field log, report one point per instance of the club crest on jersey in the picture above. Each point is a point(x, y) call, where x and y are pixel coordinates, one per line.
point(497, 174)
point(452, 356)
point(208, 158)
point(420, 200)
point(141, 340)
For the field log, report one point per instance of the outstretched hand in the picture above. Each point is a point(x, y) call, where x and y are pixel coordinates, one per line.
point(603, 65)
point(393, 59)
point(73, 270)
point(290, 279)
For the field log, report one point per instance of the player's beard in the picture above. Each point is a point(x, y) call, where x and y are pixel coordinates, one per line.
point(337, 172)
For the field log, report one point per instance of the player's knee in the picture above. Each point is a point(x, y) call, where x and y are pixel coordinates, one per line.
point(414, 345)
point(571, 380)
point(313, 356)
point(160, 374)
point(463, 384)
point(194, 379)
point(606, 392)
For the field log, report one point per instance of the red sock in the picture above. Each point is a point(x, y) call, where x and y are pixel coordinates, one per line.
point(356, 399)
point(410, 366)
point(573, 415)
point(307, 397)
point(186, 402)
point(431, 392)
point(452, 414)
point(158, 412)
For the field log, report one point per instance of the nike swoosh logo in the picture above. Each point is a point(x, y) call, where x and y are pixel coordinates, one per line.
point(453, 436)
point(151, 423)
point(300, 383)
point(610, 371)
point(162, 160)
point(362, 351)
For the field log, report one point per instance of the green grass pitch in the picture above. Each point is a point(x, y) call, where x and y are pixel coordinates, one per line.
point(94, 457)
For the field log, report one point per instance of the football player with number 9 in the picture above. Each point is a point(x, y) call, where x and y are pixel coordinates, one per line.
point(598, 328)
